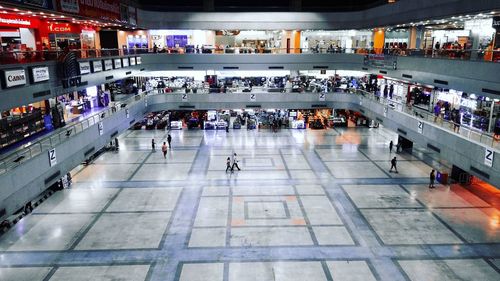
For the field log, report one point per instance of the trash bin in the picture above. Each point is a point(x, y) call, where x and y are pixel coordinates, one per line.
point(442, 178)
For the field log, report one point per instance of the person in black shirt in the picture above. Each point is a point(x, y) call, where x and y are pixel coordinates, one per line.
point(394, 163)
point(432, 178)
point(169, 140)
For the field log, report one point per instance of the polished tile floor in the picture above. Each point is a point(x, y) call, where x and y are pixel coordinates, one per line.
point(307, 205)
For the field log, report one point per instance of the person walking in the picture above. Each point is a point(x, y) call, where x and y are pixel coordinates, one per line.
point(164, 149)
point(432, 178)
point(228, 164)
point(394, 163)
point(391, 144)
point(169, 140)
point(235, 163)
point(153, 145)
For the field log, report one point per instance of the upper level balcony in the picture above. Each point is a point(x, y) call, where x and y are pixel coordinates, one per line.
point(479, 55)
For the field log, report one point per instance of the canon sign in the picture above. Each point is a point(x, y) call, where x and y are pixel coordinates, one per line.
point(15, 77)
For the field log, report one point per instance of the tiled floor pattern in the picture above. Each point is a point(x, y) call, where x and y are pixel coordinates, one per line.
point(307, 205)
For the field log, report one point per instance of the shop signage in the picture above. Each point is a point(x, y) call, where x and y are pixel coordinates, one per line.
point(18, 21)
point(84, 67)
point(96, 66)
point(60, 28)
point(253, 97)
point(125, 62)
point(496, 22)
point(117, 63)
point(37, 3)
point(40, 74)
point(108, 65)
point(102, 9)
point(381, 61)
point(138, 60)
point(132, 61)
point(184, 97)
point(52, 157)
point(322, 96)
point(488, 157)
point(14, 77)
point(420, 127)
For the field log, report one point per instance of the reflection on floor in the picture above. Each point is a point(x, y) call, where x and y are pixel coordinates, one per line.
point(307, 205)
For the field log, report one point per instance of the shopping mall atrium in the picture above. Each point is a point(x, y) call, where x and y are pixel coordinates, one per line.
point(220, 140)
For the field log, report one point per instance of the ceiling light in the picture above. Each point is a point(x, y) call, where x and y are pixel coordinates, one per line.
point(30, 12)
point(16, 10)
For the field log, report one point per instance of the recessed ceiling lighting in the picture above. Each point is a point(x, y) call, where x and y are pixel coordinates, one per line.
point(16, 10)
point(30, 12)
point(52, 15)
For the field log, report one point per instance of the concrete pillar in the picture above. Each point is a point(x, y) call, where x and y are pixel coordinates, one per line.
point(412, 40)
point(378, 40)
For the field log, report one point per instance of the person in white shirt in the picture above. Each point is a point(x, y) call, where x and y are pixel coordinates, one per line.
point(235, 163)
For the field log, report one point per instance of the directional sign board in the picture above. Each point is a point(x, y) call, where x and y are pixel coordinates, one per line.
point(420, 127)
point(52, 157)
point(488, 157)
point(101, 128)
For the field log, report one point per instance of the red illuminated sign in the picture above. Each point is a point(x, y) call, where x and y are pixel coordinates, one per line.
point(60, 28)
point(18, 21)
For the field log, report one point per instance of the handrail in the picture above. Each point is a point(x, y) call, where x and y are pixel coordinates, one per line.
point(468, 132)
point(446, 53)
point(33, 56)
point(17, 157)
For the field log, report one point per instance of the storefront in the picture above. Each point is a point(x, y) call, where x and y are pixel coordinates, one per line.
point(475, 111)
point(58, 35)
point(172, 39)
point(350, 40)
point(18, 33)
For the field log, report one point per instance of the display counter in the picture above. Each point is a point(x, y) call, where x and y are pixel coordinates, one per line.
point(176, 125)
point(298, 124)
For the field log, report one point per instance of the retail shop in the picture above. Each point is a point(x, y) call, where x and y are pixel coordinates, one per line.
point(58, 35)
point(332, 41)
point(18, 33)
point(186, 40)
point(249, 40)
point(475, 111)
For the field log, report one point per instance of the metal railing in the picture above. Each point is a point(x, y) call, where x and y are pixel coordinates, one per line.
point(26, 152)
point(455, 54)
point(15, 57)
point(467, 132)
